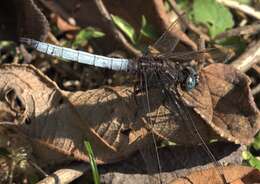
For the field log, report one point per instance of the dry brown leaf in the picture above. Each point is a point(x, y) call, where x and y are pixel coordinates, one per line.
point(58, 122)
point(235, 115)
point(175, 161)
point(109, 118)
point(233, 174)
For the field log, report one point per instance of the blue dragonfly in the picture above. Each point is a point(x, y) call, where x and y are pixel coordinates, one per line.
point(164, 71)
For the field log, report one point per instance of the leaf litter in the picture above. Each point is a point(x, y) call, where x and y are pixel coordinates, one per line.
point(58, 121)
point(55, 121)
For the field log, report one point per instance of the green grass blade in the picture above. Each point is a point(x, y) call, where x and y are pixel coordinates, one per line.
point(93, 164)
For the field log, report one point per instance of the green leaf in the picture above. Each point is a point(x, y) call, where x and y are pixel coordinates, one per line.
point(85, 35)
point(215, 16)
point(125, 27)
point(247, 155)
point(93, 164)
point(256, 143)
point(147, 30)
point(254, 162)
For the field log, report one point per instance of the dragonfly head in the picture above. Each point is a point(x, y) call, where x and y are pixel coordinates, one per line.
point(190, 80)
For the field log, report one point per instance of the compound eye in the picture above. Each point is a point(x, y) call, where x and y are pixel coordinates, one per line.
point(190, 83)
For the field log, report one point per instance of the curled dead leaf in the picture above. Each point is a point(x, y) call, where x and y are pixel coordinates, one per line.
point(58, 122)
point(226, 92)
point(236, 116)
point(111, 119)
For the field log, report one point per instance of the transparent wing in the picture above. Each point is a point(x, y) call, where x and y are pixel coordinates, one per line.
point(177, 106)
point(214, 54)
point(149, 150)
point(167, 41)
point(177, 112)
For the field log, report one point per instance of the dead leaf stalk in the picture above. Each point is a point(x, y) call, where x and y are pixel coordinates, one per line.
point(249, 58)
point(241, 7)
point(245, 30)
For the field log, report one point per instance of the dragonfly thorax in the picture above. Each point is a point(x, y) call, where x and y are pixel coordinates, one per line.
point(171, 73)
point(149, 64)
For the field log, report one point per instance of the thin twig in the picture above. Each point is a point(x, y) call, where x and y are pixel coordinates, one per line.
point(250, 29)
point(201, 46)
point(38, 168)
point(241, 7)
point(65, 175)
point(249, 58)
point(117, 34)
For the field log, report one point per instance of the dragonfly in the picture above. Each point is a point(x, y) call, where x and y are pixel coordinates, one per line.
point(165, 71)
